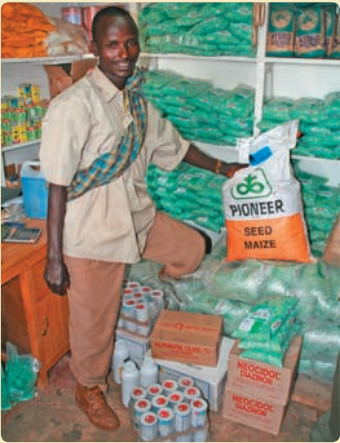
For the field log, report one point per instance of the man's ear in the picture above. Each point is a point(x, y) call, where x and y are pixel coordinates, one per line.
point(93, 48)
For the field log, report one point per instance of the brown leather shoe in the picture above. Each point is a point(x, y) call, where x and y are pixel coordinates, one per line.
point(93, 403)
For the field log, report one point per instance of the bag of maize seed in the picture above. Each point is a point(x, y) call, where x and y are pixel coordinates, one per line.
point(263, 204)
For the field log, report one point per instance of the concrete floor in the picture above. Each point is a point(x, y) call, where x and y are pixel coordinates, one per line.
point(54, 417)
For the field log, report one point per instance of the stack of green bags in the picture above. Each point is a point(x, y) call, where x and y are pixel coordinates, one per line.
point(319, 123)
point(188, 193)
point(208, 29)
point(267, 330)
point(199, 111)
point(321, 205)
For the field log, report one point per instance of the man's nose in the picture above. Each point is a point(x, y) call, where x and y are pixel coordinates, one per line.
point(123, 52)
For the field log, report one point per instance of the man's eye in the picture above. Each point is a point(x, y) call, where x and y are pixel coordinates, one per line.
point(133, 43)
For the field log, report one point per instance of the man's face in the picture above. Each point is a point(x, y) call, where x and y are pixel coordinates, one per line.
point(117, 47)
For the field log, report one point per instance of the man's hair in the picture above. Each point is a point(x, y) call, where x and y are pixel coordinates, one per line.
point(110, 11)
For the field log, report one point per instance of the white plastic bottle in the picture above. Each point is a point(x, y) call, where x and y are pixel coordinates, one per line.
point(148, 372)
point(130, 380)
point(120, 356)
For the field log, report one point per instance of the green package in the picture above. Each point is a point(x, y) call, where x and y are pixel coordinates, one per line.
point(310, 32)
point(281, 29)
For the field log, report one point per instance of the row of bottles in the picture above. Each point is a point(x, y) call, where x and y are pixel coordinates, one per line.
point(126, 373)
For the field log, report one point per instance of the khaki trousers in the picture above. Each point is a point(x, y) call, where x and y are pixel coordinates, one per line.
point(96, 290)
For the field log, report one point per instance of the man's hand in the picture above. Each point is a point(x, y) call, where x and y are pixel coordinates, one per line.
point(56, 276)
point(229, 169)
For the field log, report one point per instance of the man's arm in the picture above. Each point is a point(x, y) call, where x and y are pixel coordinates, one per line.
point(197, 158)
point(56, 274)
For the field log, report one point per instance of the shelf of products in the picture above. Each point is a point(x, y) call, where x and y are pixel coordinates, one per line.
point(267, 75)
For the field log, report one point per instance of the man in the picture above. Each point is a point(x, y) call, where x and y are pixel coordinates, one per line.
point(99, 137)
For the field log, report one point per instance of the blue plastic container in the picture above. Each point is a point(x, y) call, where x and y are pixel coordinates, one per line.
point(34, 190)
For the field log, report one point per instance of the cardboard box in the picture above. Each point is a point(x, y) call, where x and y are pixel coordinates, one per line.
point(210, 381)
point(259, 379)
point(187, 337)
point(253, 411)
point(60, 77)
point(137, 345)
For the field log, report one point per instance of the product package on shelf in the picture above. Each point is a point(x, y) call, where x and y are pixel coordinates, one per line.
point(321, 203)
point(198, 110)
point(198, 28)
point(83, 16)
point(22, 114)
point(38, 35)
point(303, 30)
point(189, 194)
point(319, 122)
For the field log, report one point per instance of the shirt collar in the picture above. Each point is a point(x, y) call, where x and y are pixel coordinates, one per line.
point(109, 90)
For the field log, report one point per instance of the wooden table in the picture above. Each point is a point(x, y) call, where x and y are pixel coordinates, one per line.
point(32, 317)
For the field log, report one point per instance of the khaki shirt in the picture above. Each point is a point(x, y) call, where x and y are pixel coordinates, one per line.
point(111, 222)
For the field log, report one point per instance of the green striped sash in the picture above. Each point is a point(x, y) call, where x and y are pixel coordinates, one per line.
point(111, 165)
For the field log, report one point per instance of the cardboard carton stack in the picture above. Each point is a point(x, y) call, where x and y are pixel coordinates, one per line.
point(256, 393)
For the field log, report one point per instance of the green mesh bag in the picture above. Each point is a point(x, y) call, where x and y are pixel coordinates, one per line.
point(6, 404)
point(21, 374)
